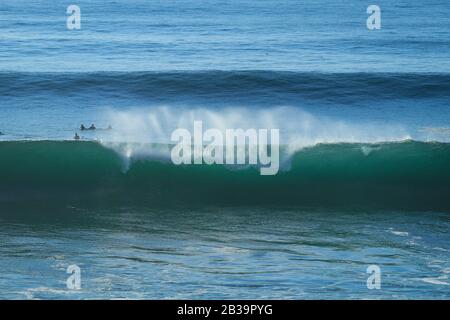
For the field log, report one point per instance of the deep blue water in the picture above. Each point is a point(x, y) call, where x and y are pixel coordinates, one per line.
point(327, 36)
point(310, 68)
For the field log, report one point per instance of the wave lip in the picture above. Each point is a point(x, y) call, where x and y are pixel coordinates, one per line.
point(405, 175)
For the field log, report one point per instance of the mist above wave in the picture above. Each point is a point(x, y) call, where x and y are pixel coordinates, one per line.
point(134, 130)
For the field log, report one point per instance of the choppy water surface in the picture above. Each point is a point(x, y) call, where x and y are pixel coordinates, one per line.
point(225, 253)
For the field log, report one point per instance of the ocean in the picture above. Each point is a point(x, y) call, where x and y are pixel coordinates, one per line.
point(364, 172)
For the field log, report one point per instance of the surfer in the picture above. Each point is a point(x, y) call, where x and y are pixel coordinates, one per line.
point(82, 127)
point(77, 137)
point(92, 127)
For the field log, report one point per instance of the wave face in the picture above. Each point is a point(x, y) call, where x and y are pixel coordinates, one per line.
point(257, 86)
point(405, 175)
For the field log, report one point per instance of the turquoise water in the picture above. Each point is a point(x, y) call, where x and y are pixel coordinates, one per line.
point(364, 128)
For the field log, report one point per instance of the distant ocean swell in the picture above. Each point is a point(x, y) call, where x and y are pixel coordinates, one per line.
point(404, 175)
point(259, 85)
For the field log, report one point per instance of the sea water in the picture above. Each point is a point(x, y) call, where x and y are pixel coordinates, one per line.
point(364, 126)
